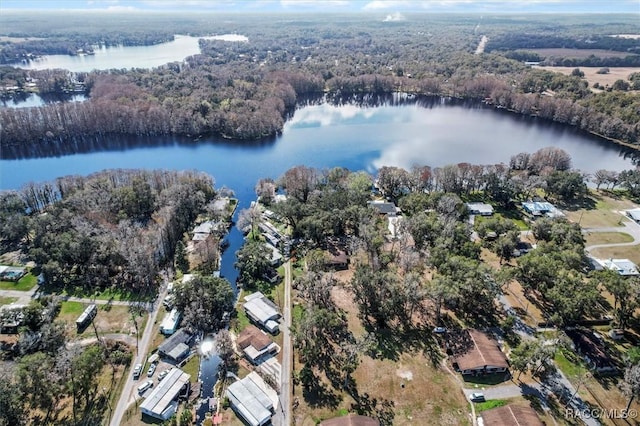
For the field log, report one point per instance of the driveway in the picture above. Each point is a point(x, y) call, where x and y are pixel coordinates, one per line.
point(629, 227)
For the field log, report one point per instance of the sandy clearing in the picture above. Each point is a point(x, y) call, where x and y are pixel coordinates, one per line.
point(591, 75)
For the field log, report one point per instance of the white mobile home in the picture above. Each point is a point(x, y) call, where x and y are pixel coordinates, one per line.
point(170, 322)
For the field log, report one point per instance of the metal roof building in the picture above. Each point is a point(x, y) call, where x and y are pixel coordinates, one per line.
point(262, 311)
point(253, 399)
point(162, 401)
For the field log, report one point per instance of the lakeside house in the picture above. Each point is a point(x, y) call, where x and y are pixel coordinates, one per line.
point(256, 345)
point(624, 267)
point(475, 353)
point(176, 347)
point(384, 207)
point(481, 209)
point(162, 402)
point(262, 311)
point(252, 399)
point(541, 208)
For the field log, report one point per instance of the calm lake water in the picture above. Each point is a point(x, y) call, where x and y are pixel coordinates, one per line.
point(118, 57)
point(30, 100)
point(434, 133)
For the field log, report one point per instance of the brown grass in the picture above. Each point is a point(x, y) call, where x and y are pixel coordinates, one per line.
point(594, 238)
point(592, 76)
point(604, 215)
point(624, 252)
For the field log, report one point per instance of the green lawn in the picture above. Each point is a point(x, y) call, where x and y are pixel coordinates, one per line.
point(7, 300)
point(488, 405)
point(192, 367)
point(25, 283)
point(569, 363)
point(72, 308)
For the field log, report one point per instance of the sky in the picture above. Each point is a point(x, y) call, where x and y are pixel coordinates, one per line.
point(315, 6)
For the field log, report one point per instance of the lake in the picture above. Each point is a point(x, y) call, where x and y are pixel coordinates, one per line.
point(29, 100)
point(118, 57)
point(433, 132)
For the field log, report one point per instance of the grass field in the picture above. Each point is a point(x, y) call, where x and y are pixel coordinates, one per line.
point(592, 76)
point(624, 252)
point(114, 319)
point(25, 283)
point(604, 214)
point(594, 238)
point(7, 300)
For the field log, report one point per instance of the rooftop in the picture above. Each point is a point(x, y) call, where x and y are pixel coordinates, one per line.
point(162, 396)
point(479, 350)
point(253, 399)
point(384, 207)
point(510, 415)
point(622, 266)
point(180, 336)
point(253, 336)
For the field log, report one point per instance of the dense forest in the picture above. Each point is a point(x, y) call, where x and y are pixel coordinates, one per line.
point(246, 91)
point(113, 228)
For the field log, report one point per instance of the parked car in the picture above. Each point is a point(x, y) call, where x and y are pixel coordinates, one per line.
point(143, 387)
point(163, 374)
point(151, 370)
point(136, 371)
point(477, 397)
point(439, 330)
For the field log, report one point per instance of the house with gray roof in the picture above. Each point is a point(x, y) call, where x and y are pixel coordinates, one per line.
point(252, 399)
point(162, 402)
point(262, 311)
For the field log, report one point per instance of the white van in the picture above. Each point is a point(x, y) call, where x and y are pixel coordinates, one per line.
point(143, 387)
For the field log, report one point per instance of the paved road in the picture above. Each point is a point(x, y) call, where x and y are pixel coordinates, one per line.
point(129, 393)
point(283, 415)
point(628, 227)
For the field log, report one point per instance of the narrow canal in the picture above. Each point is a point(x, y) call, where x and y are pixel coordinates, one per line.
point(209, 360)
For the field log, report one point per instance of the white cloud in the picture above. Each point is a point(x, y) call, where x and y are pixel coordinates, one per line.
point(394, 17)
point(313, 3)
point(388, 4)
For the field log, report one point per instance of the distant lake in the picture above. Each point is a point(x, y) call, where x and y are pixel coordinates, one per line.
point(34, 100)
point(119, 57)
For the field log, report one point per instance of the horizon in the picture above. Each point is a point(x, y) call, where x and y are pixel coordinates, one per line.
point(330, 6)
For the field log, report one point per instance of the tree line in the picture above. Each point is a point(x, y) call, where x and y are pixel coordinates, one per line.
point(246, 91)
